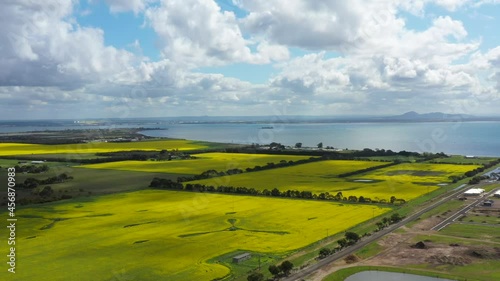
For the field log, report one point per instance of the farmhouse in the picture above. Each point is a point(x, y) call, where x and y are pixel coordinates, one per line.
point(474, 192)
point(241, 258)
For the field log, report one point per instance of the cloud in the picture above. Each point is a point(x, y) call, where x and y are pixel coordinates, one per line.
point(42, 46)
point(356, 56)
point(136, 6)
point(307, 24)
point(212, 37)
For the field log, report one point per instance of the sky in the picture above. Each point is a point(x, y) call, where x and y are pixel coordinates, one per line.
point(146, 58)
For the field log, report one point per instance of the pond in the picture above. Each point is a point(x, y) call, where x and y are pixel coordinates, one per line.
point(390, 276)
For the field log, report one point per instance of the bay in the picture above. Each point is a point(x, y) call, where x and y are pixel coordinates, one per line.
point(464, 138)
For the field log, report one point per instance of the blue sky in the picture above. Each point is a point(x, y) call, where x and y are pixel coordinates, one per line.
point(204, 57)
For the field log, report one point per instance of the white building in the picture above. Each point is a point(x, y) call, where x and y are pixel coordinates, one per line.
point(497, 194)
point(474, 192)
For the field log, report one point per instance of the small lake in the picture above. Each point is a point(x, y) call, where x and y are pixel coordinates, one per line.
point(390, 276)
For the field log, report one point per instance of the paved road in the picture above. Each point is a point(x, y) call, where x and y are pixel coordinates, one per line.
point(365, 241)
point(461, 212)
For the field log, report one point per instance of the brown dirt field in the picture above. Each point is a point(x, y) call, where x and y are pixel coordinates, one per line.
point(398, 251)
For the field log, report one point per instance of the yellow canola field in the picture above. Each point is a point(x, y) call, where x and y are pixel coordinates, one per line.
point(404, 181)
point(166, 235)
point(96, 147)
point(204, 162)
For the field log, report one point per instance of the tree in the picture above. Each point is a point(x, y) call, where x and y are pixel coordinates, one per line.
point(256, 276)
point(395, 218)
point(352, 236)
point(298, 145)
point(320, 145)
point(286, 267)
point(275, 192)
point(31, 183)
point(342, 242)
point(380, 225)
point(274, 270)
point(46, 191)
point(339, 195)
point(324, 252)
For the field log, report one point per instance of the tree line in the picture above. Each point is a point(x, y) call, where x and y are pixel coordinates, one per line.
point(366, 170)
point(213, 173)
point(31, 183)
point(351, 238)
point(279, 149)
point(277, 271)
point(275, 192)
point(31, 169)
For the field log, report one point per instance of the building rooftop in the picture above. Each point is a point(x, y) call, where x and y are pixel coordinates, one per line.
point(474, 191)
point(241, 256)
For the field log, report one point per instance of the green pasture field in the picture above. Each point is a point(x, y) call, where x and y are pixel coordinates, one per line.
point(459, 159)
point(477, 217)
point(86, 182)
point(477, 231)
point(7, 149)
point(166, 235)
point(203, 162)
point(406, 181)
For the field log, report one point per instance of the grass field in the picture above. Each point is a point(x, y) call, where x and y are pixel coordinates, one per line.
point(96, 147)
point(406, 181)
point(459, 159)
point(89, 180)
point(204, 162)
point(485, 232)
point(165, 235)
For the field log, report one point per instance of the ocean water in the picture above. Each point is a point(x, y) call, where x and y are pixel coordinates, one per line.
point(464, 138)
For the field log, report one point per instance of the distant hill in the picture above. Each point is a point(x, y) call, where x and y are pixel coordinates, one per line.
point(433, 116)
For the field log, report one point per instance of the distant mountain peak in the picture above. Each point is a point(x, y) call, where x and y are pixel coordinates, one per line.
point(410, 114)
point(437, 116)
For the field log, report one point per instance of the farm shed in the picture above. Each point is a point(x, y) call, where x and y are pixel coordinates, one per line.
point(474, 192)
point(497, 194)
point(241, 258)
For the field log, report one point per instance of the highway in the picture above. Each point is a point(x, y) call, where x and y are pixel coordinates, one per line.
point(299, 275)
